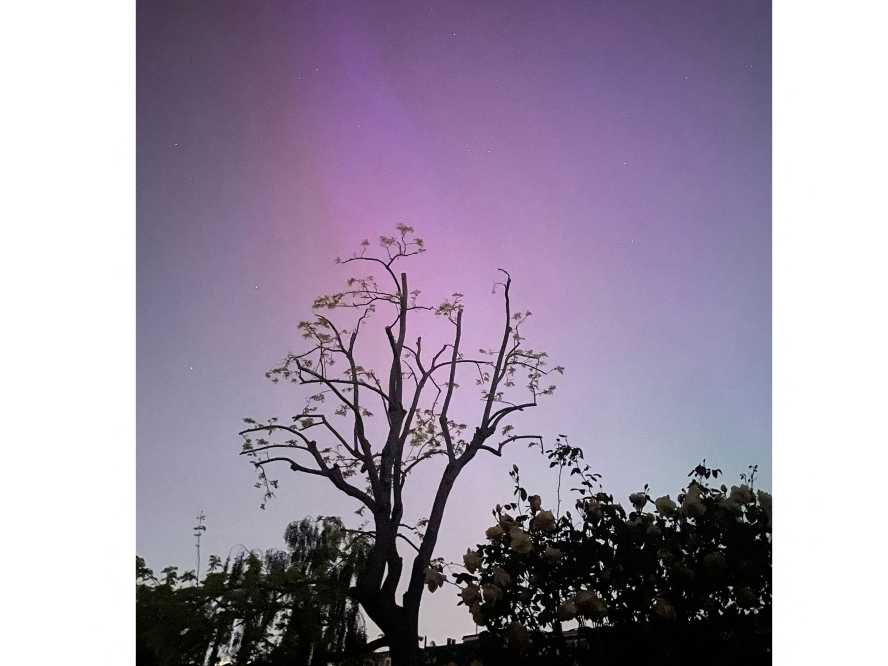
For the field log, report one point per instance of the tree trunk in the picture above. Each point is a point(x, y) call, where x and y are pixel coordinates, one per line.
point(400, 624)
point(404, 648)
point(400, 627)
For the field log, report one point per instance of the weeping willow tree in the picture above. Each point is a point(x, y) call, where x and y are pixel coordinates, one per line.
point(321, 622)
point(366, 430)
point(278, 607)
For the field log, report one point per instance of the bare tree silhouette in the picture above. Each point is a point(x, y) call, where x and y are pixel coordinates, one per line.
point(417, 400)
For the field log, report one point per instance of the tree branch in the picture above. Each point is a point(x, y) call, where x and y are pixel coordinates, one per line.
point(499, 415)
point(332, 473)
point(499, 450)
point(498, 368)
point(445, 429)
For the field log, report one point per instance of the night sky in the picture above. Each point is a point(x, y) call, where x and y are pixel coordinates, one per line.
point(615, 158)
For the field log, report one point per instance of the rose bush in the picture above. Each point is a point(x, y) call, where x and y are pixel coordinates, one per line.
point(704, 560)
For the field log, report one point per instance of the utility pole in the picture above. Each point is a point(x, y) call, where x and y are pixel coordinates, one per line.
point(198, 531)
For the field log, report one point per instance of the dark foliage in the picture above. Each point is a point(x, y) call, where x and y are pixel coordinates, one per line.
point(278, 608)
point(694, 573)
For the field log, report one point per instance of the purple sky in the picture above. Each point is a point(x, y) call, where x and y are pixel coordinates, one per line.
point(614, 157)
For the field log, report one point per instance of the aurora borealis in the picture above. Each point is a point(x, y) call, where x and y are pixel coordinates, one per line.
point(614, 157)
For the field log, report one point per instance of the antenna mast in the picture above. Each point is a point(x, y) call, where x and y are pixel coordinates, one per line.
point(199, 529)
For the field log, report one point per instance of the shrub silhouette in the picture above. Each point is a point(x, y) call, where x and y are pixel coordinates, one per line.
point(690, 573)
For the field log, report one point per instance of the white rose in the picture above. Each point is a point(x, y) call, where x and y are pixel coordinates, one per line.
point(433, 578)
point(665, 506)
point(471, 594)
point(518, 635)
point(638, 500)
point(506, 522)
point(730, 505)
point(664, 609)
point(500, 577)
point(472, 560)
point(765, 502)
point(567, 611)
point(544, 520)
point(741, 495)
point(495, 532)
point(521, 542)
point(491, 593)
point(693, 509)
point(593, 507)
point(692, 506)
point(590, 605)
point(635, 522)
point(477, 612)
